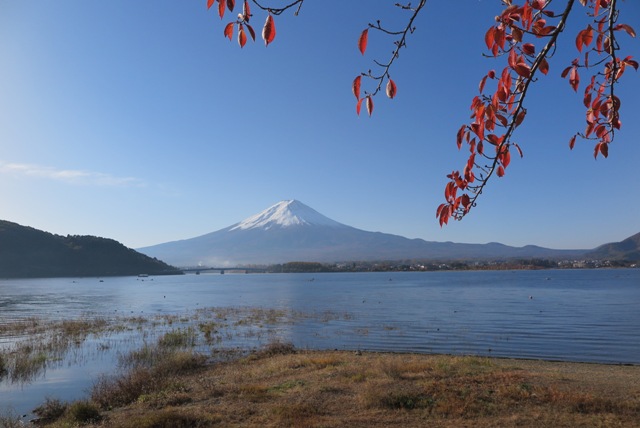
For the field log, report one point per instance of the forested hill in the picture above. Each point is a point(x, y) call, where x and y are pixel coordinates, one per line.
point(26, 252)
point(629, 249)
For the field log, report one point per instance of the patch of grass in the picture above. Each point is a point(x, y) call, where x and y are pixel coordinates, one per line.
point(152, 372)
point(51, 410)
point(9, 419)
point(82, 413)
point(110, 392)
point(294, 414)
point(287, 385)
point(275, 348)
point(27, 366)
point(4, 368)
point(178, 338)
point(170, 418)
point(209, 329)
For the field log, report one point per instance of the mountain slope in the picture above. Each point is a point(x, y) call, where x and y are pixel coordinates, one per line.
point(26, 252)
point(628, 249)
point(292, 231)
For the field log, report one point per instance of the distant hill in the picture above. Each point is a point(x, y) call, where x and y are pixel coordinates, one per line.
point(26, 252)
point(291, 231)
point(628, 250)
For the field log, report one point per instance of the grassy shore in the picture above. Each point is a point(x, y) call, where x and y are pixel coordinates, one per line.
point(279, 386)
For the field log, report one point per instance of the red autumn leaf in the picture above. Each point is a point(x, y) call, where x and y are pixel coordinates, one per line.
point(584, 38)
point(503, 120)
point(537, 4)
point(505, 159)
point(450, 191)
point(500, 171)
point(544, 66)
point(602, 148)
point(228, 30)
point(359, 106)
point(631, 62)
point(482, 83)
point(221, 9)
point(512, 60)
point(519, 149)
point(500, 37)
point(523, 69)
point(465, 200)
point(369, 105)
point(230, 4)
point(630, 31)
point(517, 34)
point(489, 37)
point(246, 12)
point(574, 79)
point(587, 99)
point(444, 213)
point(355, 87)
point(269, 30)
point(528, 49)
point(494, 139)
point(520, 117)
point(362, 41)
point(392, 89)
point(251, 32)
point(242, 37)
point(210, 3)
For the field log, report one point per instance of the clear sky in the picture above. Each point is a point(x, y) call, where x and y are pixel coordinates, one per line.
point(139, 121)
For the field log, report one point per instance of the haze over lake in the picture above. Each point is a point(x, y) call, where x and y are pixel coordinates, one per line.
point(571, 315)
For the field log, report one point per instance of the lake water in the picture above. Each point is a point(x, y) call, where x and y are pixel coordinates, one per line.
point(570, 315)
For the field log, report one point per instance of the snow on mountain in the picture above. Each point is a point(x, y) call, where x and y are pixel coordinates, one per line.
point(286, 214)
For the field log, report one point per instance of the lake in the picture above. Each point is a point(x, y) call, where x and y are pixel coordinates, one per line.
point(569, 315)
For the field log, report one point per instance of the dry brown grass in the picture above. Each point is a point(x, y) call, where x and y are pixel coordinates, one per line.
point(282, 387)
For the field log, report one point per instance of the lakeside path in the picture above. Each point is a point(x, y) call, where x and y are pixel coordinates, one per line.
point(280, 386)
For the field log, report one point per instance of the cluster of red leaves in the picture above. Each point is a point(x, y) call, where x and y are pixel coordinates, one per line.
point(242, 22)
point(391, 88)
point(496, 115)
point(603, 107)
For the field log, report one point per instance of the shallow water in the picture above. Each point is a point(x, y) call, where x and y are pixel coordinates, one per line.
point(571, 315)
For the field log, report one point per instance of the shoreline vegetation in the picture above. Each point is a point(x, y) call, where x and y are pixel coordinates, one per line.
point(280, 386)
point(433, 266)
point(170, 380)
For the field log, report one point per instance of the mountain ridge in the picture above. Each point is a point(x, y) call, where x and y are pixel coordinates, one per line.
point(282, 233)
point(26, 252)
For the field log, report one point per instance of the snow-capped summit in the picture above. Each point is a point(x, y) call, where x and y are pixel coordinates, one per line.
point(286, 214)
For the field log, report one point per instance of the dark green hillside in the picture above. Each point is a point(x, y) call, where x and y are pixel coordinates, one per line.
point(26, 252)
point(628, 250)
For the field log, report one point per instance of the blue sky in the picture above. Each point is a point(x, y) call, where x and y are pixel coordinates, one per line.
point(140, 122)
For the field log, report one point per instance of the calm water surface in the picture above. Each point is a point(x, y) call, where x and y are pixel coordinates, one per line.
point(571, 315)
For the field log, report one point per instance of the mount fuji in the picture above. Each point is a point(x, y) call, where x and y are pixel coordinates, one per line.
point(292, 231)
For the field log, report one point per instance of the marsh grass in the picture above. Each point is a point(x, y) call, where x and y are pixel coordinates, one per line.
point(150, 374)
point(36, 344)
point(178, 338)
point(51, 410)
point(9, 419)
